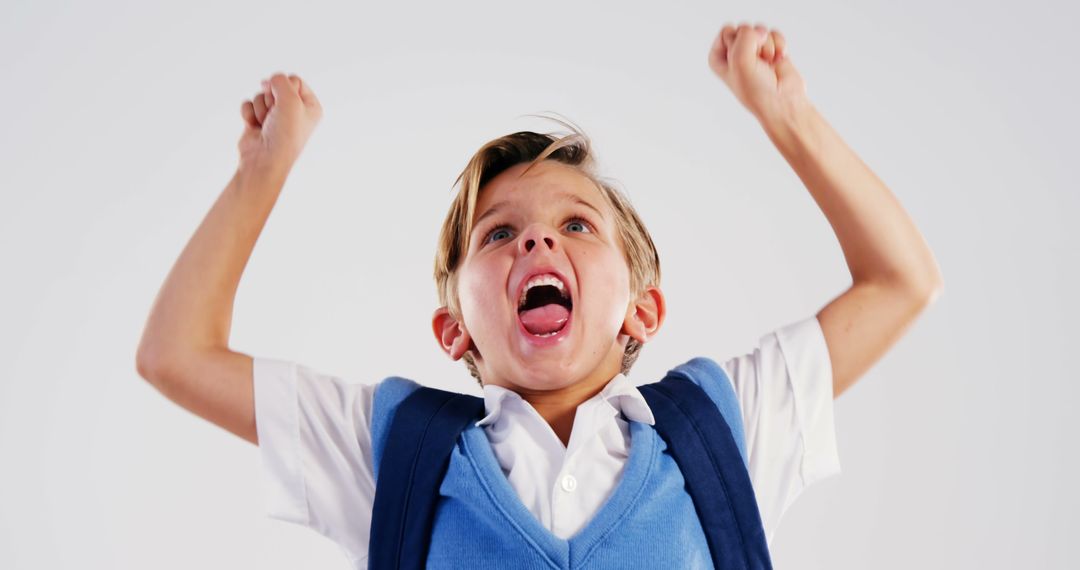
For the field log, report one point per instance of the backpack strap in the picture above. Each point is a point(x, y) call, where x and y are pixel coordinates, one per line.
point(709, 451)
point(423, 432)
point(701, 442)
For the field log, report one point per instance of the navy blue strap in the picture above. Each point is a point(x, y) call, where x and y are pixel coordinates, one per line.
point(425, 428)
point(701, 443)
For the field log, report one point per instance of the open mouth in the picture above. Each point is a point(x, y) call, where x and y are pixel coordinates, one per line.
point(544, 307)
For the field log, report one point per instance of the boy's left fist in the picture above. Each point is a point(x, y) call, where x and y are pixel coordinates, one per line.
point(754, 64)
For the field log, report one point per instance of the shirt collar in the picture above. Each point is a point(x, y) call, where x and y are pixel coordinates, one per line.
point(619, 393)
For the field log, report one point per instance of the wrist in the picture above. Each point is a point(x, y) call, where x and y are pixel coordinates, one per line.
point(794, 127)
point(263, 172)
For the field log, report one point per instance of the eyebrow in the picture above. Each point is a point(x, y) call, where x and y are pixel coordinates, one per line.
point(562, 198)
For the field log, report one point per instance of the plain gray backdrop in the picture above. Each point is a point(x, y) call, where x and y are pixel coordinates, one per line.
point(120, 123)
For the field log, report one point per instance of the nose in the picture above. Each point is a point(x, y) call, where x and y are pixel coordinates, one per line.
point(535, 234)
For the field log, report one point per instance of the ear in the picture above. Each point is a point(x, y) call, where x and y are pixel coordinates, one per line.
point(645, 315)
point(450, 334)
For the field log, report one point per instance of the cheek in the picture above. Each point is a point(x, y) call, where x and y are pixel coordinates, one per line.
point(609, 280)
point(481, 293)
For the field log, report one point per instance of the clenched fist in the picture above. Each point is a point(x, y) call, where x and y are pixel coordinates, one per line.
point(754, 64)
point(278, 122)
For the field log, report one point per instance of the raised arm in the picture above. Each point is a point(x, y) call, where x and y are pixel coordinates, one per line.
point(894, 274)
point(184, 351)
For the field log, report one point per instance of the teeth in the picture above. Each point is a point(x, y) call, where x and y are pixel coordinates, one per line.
point(546, 279)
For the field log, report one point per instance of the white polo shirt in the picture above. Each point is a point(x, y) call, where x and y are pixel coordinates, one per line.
point(315, 440)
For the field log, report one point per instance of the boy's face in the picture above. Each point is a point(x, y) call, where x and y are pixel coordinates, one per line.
point(551, 221)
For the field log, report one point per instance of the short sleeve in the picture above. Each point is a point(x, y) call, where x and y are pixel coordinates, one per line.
point(786, 397)
point(315, 448)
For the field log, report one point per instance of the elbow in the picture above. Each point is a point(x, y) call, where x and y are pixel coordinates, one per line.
point(145, 365)
point(919, 291)
point(924, 294)
point(932, 286)
point(935, 292)
point(926, 286)
point(934, 283)
point(149, 362)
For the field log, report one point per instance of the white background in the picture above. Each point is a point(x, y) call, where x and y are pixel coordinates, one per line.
point(119, 130)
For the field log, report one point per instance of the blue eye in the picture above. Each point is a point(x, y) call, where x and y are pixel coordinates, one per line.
point(578, 222)
point(495, 232)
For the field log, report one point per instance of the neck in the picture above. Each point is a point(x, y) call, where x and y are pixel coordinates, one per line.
point(559, 406)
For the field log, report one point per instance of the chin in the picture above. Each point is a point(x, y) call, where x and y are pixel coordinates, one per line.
point(542, 372)
point(545, 376)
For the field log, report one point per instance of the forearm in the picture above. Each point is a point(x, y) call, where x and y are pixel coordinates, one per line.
point(193, 309)
point(880, 241)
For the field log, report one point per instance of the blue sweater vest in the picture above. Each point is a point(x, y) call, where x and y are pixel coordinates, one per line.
point(649, 521)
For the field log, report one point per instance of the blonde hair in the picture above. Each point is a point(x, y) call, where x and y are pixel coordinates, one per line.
point(499, 155)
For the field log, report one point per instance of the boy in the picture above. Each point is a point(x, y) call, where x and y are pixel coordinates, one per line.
point(550, 285)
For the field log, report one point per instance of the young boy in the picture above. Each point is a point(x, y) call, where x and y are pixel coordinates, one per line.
point(549, 285)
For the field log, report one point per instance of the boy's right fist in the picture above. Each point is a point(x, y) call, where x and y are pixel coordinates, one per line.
point(278, 122)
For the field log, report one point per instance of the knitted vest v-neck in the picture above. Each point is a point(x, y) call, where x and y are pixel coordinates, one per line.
point(649, 521)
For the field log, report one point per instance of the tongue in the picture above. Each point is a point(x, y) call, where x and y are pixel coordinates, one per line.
point(545, 319)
